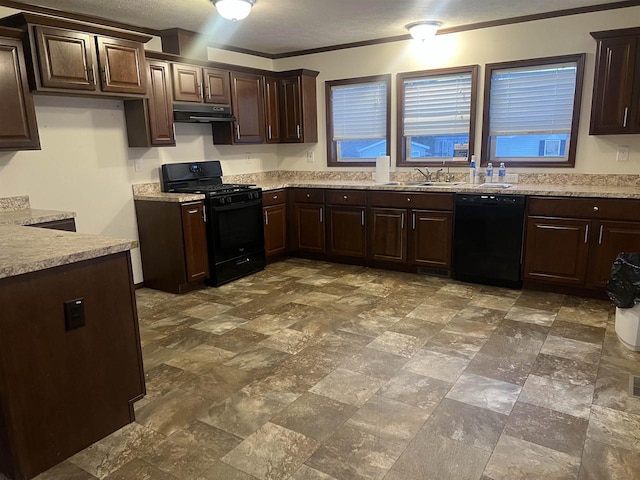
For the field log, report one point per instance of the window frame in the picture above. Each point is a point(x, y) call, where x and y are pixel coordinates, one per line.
point(401, 160)
point(570, 162)
point(332, 148)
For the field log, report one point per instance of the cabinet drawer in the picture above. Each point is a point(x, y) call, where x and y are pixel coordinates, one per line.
point(309, 195)
point(600, 208)
point(346, 197)
point(431, 201)
point(274, 197)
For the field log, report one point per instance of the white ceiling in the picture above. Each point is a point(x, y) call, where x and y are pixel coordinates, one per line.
point(282, 26)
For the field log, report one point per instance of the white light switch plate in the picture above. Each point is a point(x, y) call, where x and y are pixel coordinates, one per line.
point(137, 164)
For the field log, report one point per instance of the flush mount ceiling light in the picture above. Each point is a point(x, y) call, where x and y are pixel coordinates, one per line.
point(423, 30)
point(233, 9)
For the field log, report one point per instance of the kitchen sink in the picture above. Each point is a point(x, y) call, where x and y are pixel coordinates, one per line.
point(423, 184)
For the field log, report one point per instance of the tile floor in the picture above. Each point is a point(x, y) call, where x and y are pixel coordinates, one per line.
point(317, 371)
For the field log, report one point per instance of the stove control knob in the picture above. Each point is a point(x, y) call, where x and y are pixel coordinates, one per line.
point(221, 200)
point(228, 199)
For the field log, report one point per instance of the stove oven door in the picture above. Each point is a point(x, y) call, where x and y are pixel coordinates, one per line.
point(235, 230)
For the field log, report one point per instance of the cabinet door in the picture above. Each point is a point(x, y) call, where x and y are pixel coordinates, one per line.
point(195, 241)
point(18, 129)
point(556, 250)
point(216, 86)
point(430, 239)
point(612, 239)
point(248, 107)
point(272, 114)
point(187, 83)
point(65, 59)
point(347, 231)
point(612, 107)
point(275, 230)
point(122, 65)
point(309, 227)
point(388, 234)
point(291, 110)
point(160, 104)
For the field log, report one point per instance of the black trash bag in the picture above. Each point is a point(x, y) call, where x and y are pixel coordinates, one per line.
point(623, 286)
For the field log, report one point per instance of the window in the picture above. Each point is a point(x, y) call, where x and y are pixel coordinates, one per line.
point(436, 115)
point(358, 120)
point(531, 112)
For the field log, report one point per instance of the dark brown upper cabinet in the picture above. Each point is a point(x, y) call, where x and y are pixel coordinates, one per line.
point(71, 58)
point(67, 60)
point(195, 84)
point(615, 106)
point(272, 109)
point(247, 99)
point(150, 120)
point(299, 110)
point(18, 128)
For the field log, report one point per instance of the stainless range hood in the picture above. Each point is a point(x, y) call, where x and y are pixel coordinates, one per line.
point(183, 113)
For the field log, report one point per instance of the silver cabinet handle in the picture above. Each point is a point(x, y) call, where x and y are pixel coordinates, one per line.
point(308, 195)
point(402, 221)
point(345, 197)
point(266, 217)
point(298, 130)
point(238, 132)
point(208, 91)
point(92, 74)
point(269, 130)
point(414, 221)
point(595, 209)
point(204, 214)
point(320, 214)
point(275, 197)
point(586, 234)
point(600, 234)
point(192, 211)
point(199, 90)
point(408, 199)
point(626, 114)
point(362, 217)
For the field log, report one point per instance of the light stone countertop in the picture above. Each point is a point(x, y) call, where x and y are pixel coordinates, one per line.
point(28, 249)
point(30, 216)
point(594, 191)
point(589, 191)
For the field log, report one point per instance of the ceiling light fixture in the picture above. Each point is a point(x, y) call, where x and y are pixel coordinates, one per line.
point(233, 9)
point(423, 30)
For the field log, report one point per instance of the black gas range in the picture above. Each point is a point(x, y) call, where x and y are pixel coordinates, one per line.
point(233, 212)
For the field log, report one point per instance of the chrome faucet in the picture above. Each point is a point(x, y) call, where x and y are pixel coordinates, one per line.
point(438, 172)
point(425, 175)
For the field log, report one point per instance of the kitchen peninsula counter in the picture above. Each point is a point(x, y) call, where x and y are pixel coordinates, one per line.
point(26, 249)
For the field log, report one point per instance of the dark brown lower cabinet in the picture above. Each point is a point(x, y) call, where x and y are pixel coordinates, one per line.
point(430, 238)
point(611, 239)
point(388, 235)
point(173, 245)
point(557, 250)
point(68, 225)
point(572, 242)
point(308, 230)
point(275, 230)
point(347, 231)
point(64, 388)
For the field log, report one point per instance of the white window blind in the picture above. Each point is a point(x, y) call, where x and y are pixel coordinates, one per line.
point(359, 111)
point(532, 100)
point(437, 105)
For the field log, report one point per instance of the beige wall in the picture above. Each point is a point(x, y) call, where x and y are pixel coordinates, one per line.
point(86, 166)
point(559, 36)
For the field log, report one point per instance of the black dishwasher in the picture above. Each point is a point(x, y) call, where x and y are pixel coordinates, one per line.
point(487, 239)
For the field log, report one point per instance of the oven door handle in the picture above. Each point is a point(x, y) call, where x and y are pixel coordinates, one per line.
point(237, 206)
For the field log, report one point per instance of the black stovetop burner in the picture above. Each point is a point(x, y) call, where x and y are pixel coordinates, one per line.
point(198, 177)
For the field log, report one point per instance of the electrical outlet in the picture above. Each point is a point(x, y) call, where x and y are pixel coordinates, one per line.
point(623, 154)
point(310, 156)
point(137, 164)
point(74, 313)
point(248, 158)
